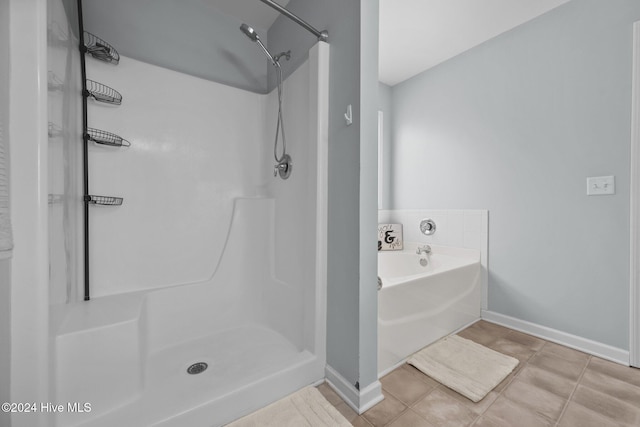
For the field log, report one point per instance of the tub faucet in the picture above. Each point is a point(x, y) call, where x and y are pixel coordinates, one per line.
point(426, 249)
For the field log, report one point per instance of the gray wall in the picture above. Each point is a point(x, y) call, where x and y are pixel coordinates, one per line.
point(351, 317)
point(385, 105)
point(368, 307)
point(515, 126)
point(5, 265)
point(190, 36)
point(286, 35)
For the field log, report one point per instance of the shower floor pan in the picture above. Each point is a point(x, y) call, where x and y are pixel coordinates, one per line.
point(128, 354)
point(248, 367)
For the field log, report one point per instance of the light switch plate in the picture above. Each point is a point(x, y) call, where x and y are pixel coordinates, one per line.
point(601, 185)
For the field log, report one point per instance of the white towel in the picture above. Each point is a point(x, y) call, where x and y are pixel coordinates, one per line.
point(6, 241)
point(469, 368)
point(305, 408)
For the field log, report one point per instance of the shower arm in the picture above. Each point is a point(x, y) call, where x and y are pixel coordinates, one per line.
point(321, 35)
point(273, 59)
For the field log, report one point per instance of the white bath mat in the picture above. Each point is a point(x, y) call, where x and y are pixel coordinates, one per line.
point(471, 369)
point(307, 407)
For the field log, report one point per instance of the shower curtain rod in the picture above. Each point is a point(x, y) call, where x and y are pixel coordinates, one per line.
point(321, 35)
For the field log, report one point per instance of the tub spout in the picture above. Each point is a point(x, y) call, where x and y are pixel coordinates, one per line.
point(426, 249)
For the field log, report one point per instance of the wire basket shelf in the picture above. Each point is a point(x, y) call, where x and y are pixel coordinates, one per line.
point(103, 200)
point(106, 138)
point(100, 49)
point(102, 93)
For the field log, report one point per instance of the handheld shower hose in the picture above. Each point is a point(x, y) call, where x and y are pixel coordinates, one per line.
point(283, 166)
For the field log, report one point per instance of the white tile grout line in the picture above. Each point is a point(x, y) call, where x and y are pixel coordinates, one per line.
point(503, 389)
point(566, 404)
point(408, 407)
point(520, 371)
point(506, 386)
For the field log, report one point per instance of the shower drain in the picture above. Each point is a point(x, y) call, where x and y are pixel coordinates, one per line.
point(197, 368)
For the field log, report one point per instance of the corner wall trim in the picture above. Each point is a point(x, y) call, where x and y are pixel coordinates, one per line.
point(585, 345)
point(358, 400)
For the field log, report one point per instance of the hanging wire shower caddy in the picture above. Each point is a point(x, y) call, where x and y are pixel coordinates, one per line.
point(103, 200)
point(106, 138)
point(102, 93)
point(100, 49)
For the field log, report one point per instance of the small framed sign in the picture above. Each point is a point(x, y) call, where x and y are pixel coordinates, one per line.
point(389, 237)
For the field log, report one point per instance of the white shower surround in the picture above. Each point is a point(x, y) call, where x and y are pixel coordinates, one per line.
point(195, 147)
point(209, 258)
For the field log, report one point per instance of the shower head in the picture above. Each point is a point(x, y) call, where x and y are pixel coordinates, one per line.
point(249, 32)
point(253, 36)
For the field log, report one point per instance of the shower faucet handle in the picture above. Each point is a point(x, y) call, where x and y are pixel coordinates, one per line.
point(280, 168)
point(283, 167)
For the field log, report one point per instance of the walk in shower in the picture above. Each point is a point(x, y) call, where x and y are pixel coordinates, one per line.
point(208, 276)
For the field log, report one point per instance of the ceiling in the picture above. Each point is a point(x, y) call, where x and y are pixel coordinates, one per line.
point(253, 12)
point(416, 35)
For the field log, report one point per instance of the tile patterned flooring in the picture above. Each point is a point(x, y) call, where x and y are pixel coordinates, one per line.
point(552, 386)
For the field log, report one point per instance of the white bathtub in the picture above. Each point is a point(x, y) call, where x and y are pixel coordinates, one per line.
point(418, 305)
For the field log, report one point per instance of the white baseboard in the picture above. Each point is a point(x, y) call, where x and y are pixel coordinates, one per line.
point(345, 390)
point(585, 345)
point(359, 400)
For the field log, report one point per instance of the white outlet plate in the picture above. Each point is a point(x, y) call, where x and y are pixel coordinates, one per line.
point(601, 185)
